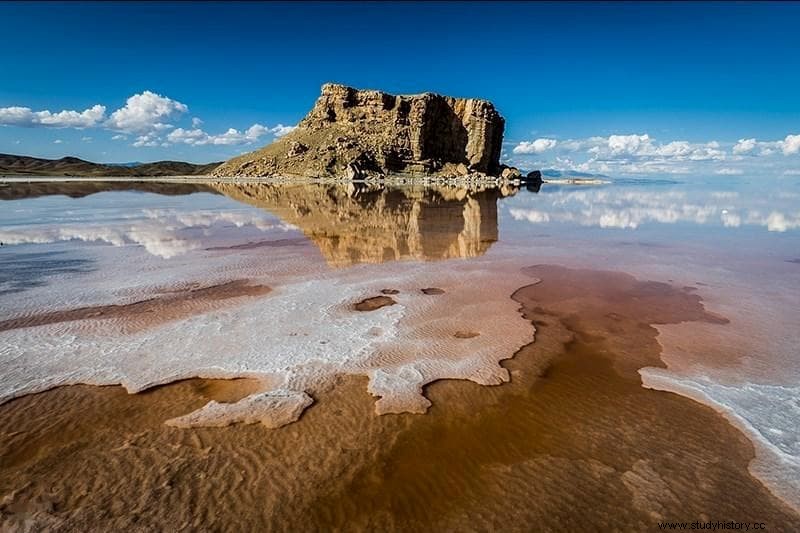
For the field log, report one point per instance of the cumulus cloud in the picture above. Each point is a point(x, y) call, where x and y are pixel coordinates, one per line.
point(745, 146)
point(634, 148)
point(788, 146)
point(147, 117)
point(150, 139)
point(641, 153)
point(145, 113)
point(627, 144)
point(198, 137)
point(535, 147)
point(26, 117)
point(58, 141)
point(280, 130)
point(791, 144)
point(644, 146)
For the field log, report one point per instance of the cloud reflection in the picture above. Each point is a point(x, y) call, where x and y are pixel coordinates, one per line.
point(631, 209)
point(160, 232)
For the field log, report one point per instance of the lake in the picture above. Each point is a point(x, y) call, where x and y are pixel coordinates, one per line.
point(400, 357)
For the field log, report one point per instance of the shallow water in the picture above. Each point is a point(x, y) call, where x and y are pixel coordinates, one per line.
point(140, 287)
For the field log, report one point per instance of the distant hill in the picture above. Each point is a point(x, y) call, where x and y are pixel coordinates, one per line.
point(20, 165)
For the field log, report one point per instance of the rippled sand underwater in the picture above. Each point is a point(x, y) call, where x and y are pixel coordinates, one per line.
point(539, 332)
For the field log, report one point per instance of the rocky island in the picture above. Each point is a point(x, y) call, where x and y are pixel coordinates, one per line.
point(366, 134)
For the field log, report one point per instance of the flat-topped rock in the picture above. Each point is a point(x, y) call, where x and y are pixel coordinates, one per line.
point(362, 134)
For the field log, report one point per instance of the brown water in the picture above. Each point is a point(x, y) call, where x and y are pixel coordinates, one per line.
point(573, 442)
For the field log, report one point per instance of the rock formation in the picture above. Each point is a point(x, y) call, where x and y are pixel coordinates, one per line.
point(362, 134)
point(370, 223)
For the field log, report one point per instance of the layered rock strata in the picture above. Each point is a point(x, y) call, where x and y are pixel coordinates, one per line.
point(362, 134)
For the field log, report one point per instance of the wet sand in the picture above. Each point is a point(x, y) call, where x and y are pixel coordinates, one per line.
point(572, 442)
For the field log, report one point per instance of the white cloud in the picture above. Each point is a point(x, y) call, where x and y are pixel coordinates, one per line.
point(627, 144)
point(640, 153)
point(644, 146)
point(745, 146)
point(149, 139)
point(280, 130)
point(625, 154)
point(58, 141)
point(25, 117)
point(535, 147)
point(194, 136)
point(143, 113)
point(791, 144)
point(86, 139)
point(198, 137)
point(146, 116)
point(255, 131)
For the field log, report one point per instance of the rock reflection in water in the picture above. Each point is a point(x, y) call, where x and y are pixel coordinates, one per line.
point(372, 223)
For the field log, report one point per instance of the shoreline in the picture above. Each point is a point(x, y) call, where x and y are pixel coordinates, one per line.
point(568, 389)
point(768, 458)
point(398, 179)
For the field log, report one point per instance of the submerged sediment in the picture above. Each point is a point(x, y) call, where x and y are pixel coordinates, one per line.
point(566, 433)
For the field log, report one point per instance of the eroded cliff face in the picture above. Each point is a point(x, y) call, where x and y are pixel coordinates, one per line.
point(354, 134)
point(359, 223)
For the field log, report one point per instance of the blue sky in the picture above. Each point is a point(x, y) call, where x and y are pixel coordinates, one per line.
point(681, 88)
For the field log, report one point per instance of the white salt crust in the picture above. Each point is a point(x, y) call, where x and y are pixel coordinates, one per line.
point(769, 415)
point(301, 334)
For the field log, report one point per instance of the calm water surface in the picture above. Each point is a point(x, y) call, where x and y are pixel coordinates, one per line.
point(735, 243)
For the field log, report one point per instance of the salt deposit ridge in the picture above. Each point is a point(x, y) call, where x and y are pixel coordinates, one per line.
point(302, 333)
